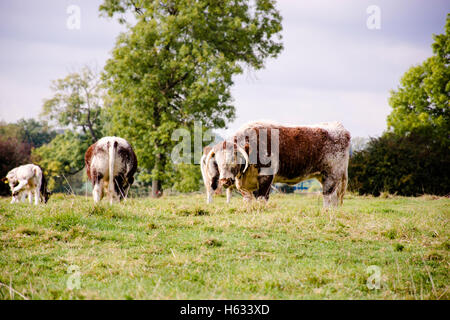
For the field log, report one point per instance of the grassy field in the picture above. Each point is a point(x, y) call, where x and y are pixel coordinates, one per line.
point(180, 248)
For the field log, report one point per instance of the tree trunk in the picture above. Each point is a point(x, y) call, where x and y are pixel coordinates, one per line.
point(156, 183)
point(89, 124)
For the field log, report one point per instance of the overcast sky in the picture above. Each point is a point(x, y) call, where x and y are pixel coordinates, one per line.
point(333, 66)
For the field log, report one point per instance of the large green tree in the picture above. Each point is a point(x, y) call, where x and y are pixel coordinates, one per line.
point(413, 156)
point(77, 103)
point(76, 108)
point(421, 102)
point(176, 65)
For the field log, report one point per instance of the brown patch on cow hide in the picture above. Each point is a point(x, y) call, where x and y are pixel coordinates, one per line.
point(301, 149)
point(88, 159)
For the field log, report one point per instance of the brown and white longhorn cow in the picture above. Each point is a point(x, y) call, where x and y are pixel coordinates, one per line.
point(110, 166)
point(211, 178)
point(263, 153)
point(28, 178)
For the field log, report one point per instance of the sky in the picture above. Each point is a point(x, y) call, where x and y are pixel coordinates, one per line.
point(333, 67)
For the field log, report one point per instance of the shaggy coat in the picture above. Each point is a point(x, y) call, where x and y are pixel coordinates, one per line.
point(303, 152)
point(110, 165)
point(210, 176)
point(28, 178)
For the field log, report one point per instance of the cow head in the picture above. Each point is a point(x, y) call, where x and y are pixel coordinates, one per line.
point(231, 161)
point(11, 179)
point(45, 195)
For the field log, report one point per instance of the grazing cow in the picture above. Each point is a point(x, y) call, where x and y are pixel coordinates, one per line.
point(274, 153)
point(31, 179)
point(211, 178)
point(110, 166)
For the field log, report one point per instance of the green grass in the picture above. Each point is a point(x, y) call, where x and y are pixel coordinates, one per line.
point(180, 248)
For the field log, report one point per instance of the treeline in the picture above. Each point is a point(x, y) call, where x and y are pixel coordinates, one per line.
point(408, 165)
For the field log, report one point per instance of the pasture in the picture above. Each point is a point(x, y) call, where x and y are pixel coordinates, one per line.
point(177, 247)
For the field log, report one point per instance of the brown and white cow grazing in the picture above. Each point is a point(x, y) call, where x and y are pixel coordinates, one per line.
point(28, 178)
point(263, 153)
point(210, 176)
point(110, 165)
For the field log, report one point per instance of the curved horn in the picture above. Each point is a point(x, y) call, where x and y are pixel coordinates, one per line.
point(208, 158)
point(247, 161)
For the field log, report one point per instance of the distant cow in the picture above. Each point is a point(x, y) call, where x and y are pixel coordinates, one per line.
point(210, 176)
point(274, 153)
point(28, 178)
point(110, 166)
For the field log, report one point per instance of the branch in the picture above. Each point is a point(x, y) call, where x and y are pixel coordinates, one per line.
point(137, 9)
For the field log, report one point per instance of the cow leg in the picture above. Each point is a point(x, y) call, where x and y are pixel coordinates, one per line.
point(343, 188)
point(19, 187)
point(246, 195)
point(264, 183)
point(209, 195)
point(229, 195)
point(97, 184)
point(37, 196)
point(30, 196)
point(330, 187)
point(97, 191)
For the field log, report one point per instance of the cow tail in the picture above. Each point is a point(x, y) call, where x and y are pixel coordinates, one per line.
point(203, 167)
point(112, 158)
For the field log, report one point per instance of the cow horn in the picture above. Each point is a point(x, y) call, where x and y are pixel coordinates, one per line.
point(208, 158)
point(245, 157)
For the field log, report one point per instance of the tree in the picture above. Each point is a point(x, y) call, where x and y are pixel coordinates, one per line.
point(35, 132)
point(31, 131)
point(188, 178)
point(422, 99)
point(13, 153)
point(176, 64)
point(413, 157)
point(62, 157)
point(77, 103)
point(76, 107)
point(409, 165)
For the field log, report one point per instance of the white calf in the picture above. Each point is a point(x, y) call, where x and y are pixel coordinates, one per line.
point(30, 179)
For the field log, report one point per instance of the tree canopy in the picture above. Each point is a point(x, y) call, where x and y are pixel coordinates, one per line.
point(422, 99)
point(77, 103)
point(176, 65)
point(413, 157)
point(77, 109)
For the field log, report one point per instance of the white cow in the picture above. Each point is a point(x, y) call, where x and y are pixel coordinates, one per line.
point(110, 165)
point(210, 178)
point(28, 178)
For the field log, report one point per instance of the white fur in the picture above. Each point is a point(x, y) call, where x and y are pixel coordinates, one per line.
point(29, 179)
point(109, 165)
